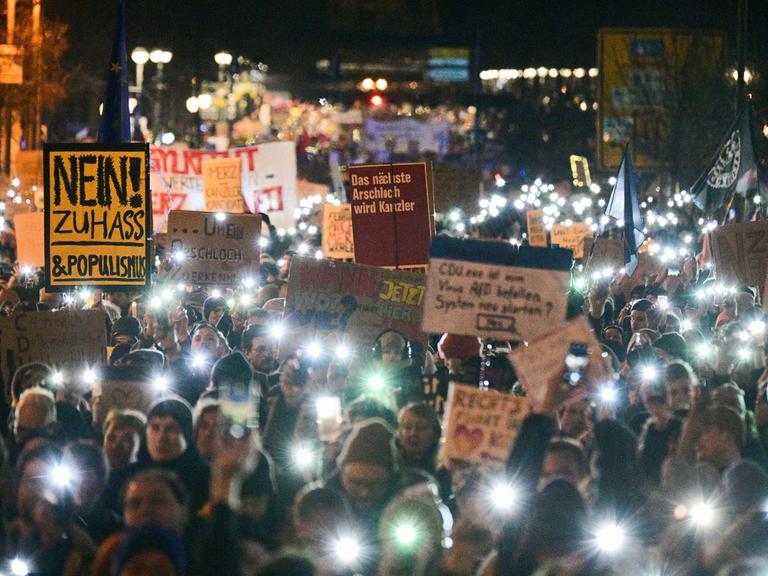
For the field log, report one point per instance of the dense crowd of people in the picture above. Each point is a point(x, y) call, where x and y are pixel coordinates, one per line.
point(269, 451)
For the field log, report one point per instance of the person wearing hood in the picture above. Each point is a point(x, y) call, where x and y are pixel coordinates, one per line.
point(168, 443)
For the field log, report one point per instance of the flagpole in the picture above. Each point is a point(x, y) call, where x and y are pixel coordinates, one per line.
point(741, 53)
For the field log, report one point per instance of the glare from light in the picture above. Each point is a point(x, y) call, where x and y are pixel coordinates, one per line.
point(382, 84)
point(303, 458)
point(161, 383)
point(204, 101)
point(649, 372)
point(168, 138)
point(314, 350)
point(302, 249)
point(62, 475)
point(140, 55)
point(192, 104)
point(221, 216)
point(503, 496)
point(57, 378)
point(702, 514)
point(222, 58)
point(19, 567)
point(757, 327)
point(376, 382)
point(89, 376)
point(249, 282)
point(263, 241)
point(608, 395)
point(405, 534)
point(216, 293)
point(277, 330)
point(610, 538)
point(343, 352)
point(347, 549)
point(199, 360)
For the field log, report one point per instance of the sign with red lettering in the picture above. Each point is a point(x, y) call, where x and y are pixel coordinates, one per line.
point(326, 296)
point(392, 213)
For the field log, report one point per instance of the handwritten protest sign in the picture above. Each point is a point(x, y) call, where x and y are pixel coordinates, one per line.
point(327, 296)
point(98, 216)
point(543, 360)
point(67, 339)
point(221, 185)
point(741, 252)
point(492, 290)
point(30, 238)
point(537, 233)
point(213, 249)
point(571, 237)
point(392, 213)
point(337, 232)
point(121, 387)
point(481, 425)
point(602, 254)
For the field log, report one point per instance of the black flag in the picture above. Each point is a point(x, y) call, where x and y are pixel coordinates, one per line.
point(732, 170)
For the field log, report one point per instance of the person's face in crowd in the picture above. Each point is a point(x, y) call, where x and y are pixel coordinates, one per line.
point(216, 314)
point(655, 400)
point(165, 440)
point(149, 325)
point(416, 435)
point(713, 445)
point(152, 502)
point(88, 489)
point(206, 342)
point(261, 354)
point(121, 444)
point(613, 334)
point(149, 562)
point(293, 392)
point(206, 435)
point(638, 320)
point(575, 419)
point(560, 465)
point(679, 395)
point(366, 485)
point(165, 339)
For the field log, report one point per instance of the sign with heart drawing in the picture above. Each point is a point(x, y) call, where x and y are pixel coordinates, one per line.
point(481, 425)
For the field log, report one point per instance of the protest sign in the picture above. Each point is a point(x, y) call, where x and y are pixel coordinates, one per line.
point(571, 237)
point(268, 180)
point(456, 187)
point(221, 185)
point(122, 387)
point(98, 216)
point(740, 252)
point(404, 135)
point(29, 167)
point(602, 254)
point(337, 232)
point(68, 340)
point(537, 233)
point(326, 296)
point(481, 425)
point(492, 290)
point(543, 360)
point(208, 249)
point(30, 239)
point(392, 213)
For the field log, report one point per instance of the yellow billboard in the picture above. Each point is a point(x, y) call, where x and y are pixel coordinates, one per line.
point(641, 73)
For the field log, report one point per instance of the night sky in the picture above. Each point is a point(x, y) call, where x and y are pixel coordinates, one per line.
point(290, 34)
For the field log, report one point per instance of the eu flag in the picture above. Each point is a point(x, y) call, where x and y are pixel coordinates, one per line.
point(115, 120)
point(623, 206)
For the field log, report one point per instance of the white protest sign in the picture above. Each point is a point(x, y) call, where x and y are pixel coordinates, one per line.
point(571, 236)
point(543, 360)
point(481, 425)
point(491, 290)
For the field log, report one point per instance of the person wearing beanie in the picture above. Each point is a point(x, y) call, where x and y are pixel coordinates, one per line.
point(214, 309)
point(671, 346)
point(169, 443)
point(368, 475)
point(125, 330)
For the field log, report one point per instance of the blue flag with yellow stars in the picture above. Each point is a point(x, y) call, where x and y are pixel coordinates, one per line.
point(115, 119)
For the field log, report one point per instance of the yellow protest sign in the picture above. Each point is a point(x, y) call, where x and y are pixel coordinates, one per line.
point(571, 236)
point(537, 233)
point(337, 232)
point(222, 180)
point(98, 215)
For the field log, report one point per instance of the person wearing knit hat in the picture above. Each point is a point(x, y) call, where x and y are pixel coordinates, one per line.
point(169, 443)
point(671, 346)
point(233, 367)
point(369, 467)
point(125, 330)
point(214, 309)
point(458, 349)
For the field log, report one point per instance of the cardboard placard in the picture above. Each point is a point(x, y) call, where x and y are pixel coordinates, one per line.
point(603, 253)
point(338, 241)
point(481, 425)
point(29, 167)
point(221, 185)
point(68, 339)
point(208, 249)
point(98, 216)
point(543, 360)
point(326, 296)
point(392, 213)
point(537, 232)
point(741, 252)
point(30, 239)
point(456, 187)
point(122, 387)
point(492, 290)
point(571, 237)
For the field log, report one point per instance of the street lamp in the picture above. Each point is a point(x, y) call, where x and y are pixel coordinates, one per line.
point(160, 58)
point(193, 105)
point(224, 61)
point(140, 56)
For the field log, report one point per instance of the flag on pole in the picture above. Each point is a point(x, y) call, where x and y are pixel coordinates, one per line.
point(115, 120)
point(624, 208)
point(733, 168)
